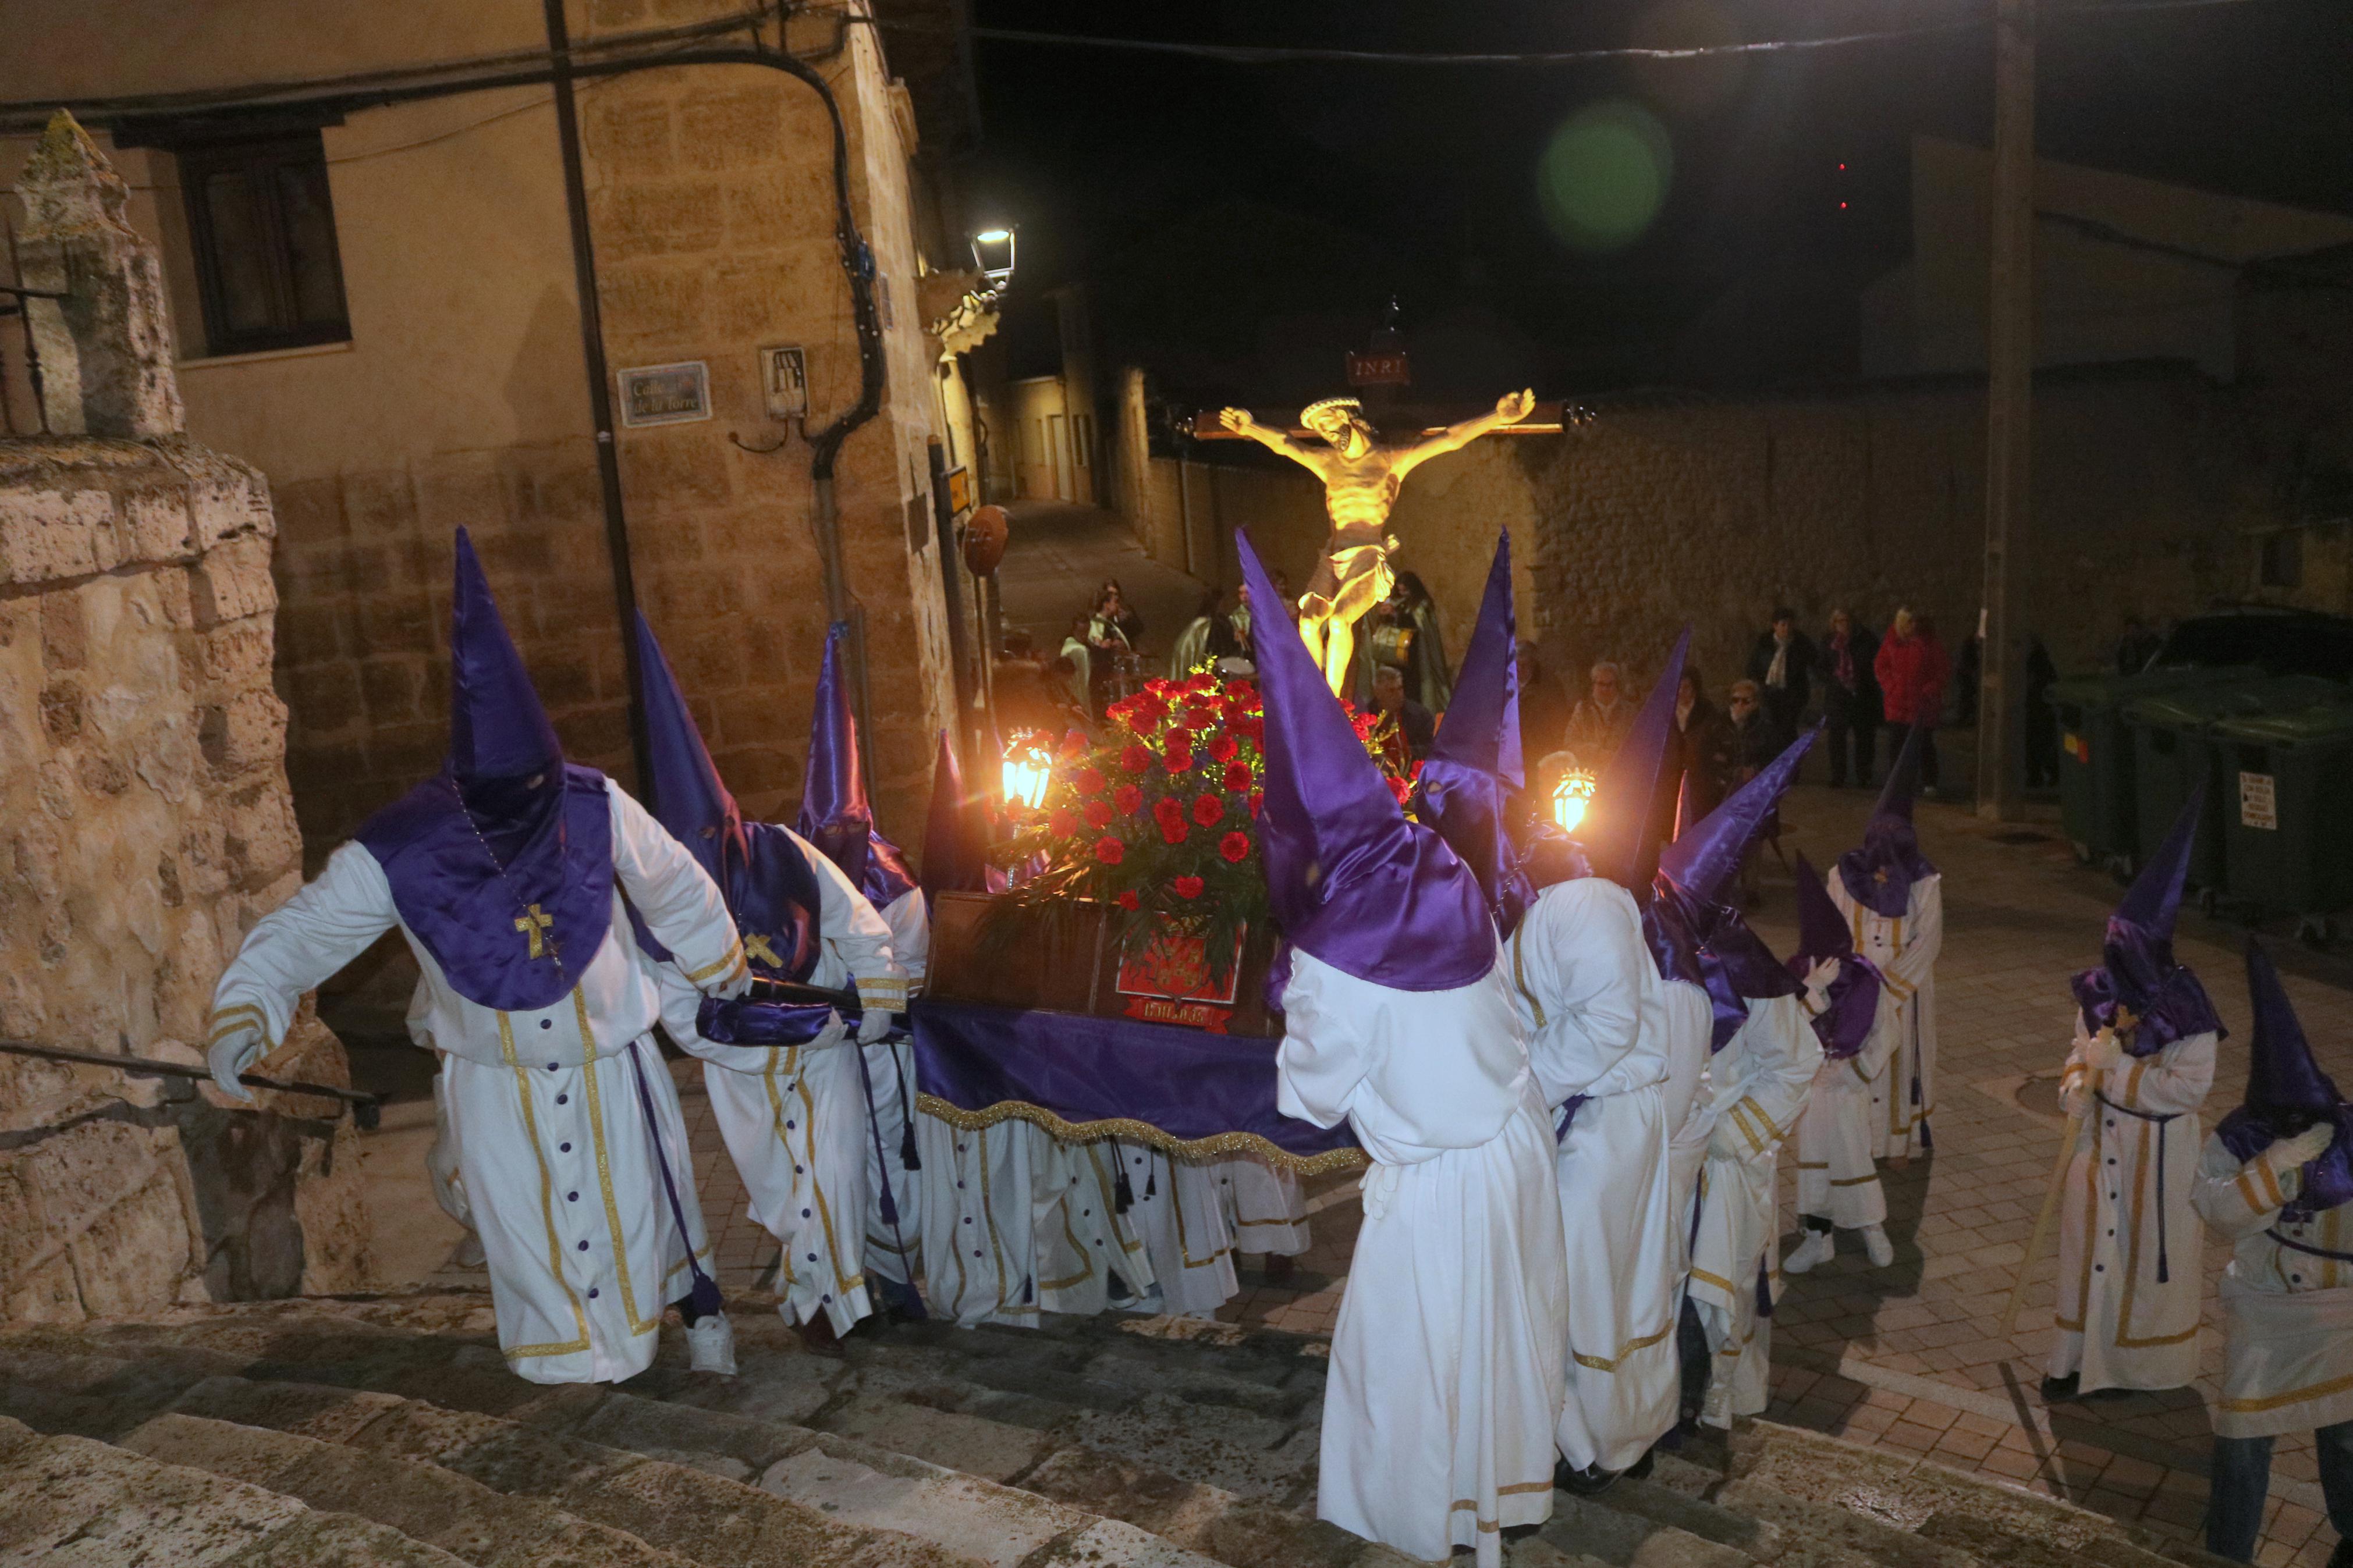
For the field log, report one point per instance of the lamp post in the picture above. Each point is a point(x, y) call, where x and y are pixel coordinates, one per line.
point(2010, 394)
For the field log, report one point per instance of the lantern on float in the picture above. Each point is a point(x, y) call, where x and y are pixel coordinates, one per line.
point(1029, 768)
point(1570, 799)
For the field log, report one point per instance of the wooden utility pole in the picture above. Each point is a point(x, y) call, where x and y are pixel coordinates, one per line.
point(2010, 396)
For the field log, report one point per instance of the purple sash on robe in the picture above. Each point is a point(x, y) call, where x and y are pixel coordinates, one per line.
point(557, 848)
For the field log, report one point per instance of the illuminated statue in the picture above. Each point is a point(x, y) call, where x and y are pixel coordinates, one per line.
point(1361, 478)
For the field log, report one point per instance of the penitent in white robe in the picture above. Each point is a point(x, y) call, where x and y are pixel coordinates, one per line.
point(1447, 1363)
point(1088, 1257)
point(794, 1118)
point(1589, 994)
point(2288, 1357)
point(2119, 1324)
point(1690, 1106)
point(555, 1152)
point(980, 1220)
point(891, 1068)
point(1761, 1082)
point(1904, 948)
point(1265, 1207)
point(1838, 1180)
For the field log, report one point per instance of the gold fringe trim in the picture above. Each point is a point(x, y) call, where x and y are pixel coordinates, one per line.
point(1221, 1146)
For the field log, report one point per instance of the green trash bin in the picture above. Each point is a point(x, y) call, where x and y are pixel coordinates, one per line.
point(2095, 757)
point(2174, 751)
point(2288, 810)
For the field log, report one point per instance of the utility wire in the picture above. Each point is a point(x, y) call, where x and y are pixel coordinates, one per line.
point(1274, 54)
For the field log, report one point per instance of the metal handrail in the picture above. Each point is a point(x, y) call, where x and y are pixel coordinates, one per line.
point(367, 1108)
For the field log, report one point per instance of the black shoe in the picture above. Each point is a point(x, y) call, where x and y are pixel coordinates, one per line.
point(2343, 1556)
point(1640, 1470)
point(1586, 1481)
point(2060, 1390)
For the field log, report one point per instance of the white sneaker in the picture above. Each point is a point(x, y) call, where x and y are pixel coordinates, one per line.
point(1817, 1248)
point(1875, 1243)
point(469, 1253)
point(710, 1345)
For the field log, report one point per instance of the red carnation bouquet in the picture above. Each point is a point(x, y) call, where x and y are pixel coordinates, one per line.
point(1160, 817)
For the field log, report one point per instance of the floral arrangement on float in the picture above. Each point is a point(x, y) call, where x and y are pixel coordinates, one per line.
point(1158, 821)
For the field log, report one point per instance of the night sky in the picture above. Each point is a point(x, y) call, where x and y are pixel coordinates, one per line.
point(1240, 224)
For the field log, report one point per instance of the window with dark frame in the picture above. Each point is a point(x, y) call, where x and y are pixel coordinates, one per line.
point(262, 229)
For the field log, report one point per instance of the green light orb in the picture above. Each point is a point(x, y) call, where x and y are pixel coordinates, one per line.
point(1604, 175)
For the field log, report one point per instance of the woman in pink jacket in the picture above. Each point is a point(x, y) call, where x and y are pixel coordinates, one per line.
point(1912, 669)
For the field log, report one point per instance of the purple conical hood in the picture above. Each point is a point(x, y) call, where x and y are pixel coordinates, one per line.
point(689, 798)
point(1903, 779)
point(1476, 757)
point(497, 727)
point(1822, 931)
point(2155, 897)
point(835, 815)
point(1350, 880)
point(1617, 830)
point(1703, 860)
point(956, 839)
point(2286, 1093)
point(1481, 727)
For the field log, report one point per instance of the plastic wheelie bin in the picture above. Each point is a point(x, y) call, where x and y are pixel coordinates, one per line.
point(2174, 751)
point(2288, 817)
point(2096, 759)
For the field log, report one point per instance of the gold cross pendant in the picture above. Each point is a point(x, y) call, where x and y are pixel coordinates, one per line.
point(757, 946)
point(531, 925)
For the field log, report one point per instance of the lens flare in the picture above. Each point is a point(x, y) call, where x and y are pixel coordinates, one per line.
point(1604, 175)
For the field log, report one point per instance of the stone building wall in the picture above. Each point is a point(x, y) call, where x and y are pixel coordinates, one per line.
point(144, 823)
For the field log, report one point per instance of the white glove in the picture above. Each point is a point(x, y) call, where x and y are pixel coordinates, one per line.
point(2103, 1051)
point(231, 1054)
point(1819, 976)
point(872, 1024)
point(2307, 1146)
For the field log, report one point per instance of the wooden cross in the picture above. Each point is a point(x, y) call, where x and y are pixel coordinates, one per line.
point(531, 925)
point(757, 946)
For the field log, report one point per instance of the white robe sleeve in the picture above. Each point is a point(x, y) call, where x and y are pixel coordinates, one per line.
point(855, 935)
point(1321, 1060)
point(1924, 939)
point(1755, 1114)
point(306, 939)
point(676, 897)
point(910, 920)
point(1577, 970)
point(2240, 1199)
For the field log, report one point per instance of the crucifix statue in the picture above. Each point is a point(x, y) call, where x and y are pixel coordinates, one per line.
point(1361, 478)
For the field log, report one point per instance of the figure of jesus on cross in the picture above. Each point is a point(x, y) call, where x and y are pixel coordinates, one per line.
point(1361, 479)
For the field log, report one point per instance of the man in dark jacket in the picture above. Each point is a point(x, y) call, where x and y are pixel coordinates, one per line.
point(1849, 696)
point(1781, 664)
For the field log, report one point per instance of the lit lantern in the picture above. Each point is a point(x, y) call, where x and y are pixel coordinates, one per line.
point(1029, 768)
point(1570, 797)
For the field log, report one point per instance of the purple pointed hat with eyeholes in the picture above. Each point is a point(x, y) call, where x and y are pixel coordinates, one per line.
point(2287, 1094)
point(835, 815)
point(1351, 880)
point(1475, 761)
point(2138, 969)
point(501, 864)
point(764, 877)
point(1706, 857)
point(1880, 873)
point(1617, 834)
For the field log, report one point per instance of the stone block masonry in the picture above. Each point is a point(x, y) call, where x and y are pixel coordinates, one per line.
point(145, 823)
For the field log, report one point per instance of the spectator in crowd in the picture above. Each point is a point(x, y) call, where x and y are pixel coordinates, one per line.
point(1781, 664)
point(1033, 693)
point(1967, 672)
point(1912, 669)
point(1114, 664)
point(1703, 744)
point(1131, 623)
point(1601, 721)
point(1850, 696)
point(1412, 721)
point(2042, 718)
point(1079, 654)
point(1192, 644)
point(2136, 647)
point(1750, 741)
point(1543, 706)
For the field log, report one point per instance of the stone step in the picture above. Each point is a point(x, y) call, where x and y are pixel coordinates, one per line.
point(442, 1508)
point(74, 1502)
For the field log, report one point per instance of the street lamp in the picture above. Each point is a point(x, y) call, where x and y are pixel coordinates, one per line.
point(992, 252)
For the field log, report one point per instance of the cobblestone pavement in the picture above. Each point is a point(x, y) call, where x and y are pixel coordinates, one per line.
point(1910, 1355)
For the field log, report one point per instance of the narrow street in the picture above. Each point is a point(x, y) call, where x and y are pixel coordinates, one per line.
point(1059, 554)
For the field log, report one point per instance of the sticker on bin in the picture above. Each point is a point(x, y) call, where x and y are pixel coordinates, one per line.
point(2075, 746)
point(2258, 804)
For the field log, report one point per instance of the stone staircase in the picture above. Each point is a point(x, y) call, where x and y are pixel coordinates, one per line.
point(388, 1431)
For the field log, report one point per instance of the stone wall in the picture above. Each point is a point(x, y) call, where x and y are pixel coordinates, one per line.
point(144, 824)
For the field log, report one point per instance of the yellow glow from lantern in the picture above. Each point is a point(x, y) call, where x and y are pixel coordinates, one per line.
point(1029, 768)
point(1570, 797)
